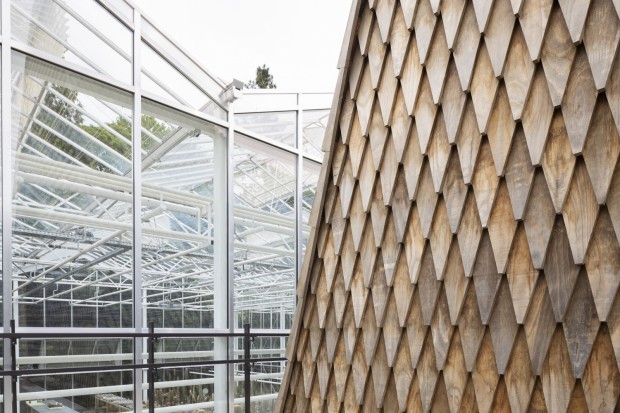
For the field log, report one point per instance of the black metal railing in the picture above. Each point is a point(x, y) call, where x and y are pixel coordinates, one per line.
point(151, 366)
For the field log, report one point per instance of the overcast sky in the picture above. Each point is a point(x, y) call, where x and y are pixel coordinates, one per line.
point(299, 40)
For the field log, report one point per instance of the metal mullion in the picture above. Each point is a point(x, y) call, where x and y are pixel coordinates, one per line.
point(7, 195)
point(137, 209)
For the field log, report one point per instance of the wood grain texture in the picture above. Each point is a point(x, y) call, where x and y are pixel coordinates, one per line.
point(464, 255)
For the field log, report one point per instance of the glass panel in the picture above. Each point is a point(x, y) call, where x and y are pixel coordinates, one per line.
point(254, 100)
point(180, 58)
point(72, 220)
point(78, 31)
point(311, 172)
point(192, 385)
point(279, 126)
point(264, 253)
point(178, 217)
point(315, 122)
point(161, 78)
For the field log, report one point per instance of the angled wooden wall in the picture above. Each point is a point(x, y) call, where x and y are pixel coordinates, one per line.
point(465, 254)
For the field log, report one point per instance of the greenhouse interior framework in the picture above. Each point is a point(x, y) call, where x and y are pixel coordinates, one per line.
point(134, 203)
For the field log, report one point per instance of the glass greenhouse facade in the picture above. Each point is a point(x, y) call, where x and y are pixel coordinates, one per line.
point(139, 189)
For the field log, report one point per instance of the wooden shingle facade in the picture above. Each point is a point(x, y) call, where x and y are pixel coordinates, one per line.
point(465, 249)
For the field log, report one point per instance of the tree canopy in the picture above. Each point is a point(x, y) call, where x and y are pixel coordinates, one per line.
point(264, 80)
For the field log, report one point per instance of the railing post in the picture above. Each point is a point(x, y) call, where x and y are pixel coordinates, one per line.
point(246, 364)
point(152, 373)
point(14, 366)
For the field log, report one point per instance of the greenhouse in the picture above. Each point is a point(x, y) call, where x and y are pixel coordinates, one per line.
point(137, 205)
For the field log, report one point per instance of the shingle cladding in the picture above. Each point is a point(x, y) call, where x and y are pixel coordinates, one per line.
point(465, 252)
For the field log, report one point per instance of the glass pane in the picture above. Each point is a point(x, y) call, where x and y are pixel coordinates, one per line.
point(178, 217)
point(161, 78)
point(311, 172)
point(264, 253)
point(278, 126)
point(72, 202)
point(79, 31)
point(315, 122)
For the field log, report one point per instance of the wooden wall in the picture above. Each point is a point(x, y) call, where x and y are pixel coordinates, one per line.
point(465, 252)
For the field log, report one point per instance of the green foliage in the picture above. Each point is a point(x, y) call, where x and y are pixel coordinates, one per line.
point(263, 80)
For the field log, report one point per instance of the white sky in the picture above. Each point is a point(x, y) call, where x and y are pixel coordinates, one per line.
point(299, 40)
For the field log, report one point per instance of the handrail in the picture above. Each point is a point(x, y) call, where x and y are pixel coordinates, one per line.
point(151, 365)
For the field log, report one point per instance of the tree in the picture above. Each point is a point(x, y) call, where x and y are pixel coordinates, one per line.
point(263, 80)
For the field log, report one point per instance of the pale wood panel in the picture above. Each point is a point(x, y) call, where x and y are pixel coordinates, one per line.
point(483, 10)
point(424, 26)
point(455, 282)
point(412, 163)
point(556, 375)
point(503, 327)
point(534, 17)
point(455, 374)
point(601, 379)
point(388, 170)
point(468, 142)
point(601, 150)
point(519, 173)
point(498, 33)
point(518, 72)
point(452, 14)
point(409, 9)
point(485, 182)
point(367, 179)
point(486, 279)
point(600, 37)
point(411, 76)
point(439, 152)
point(603, 264)
point(502, 227)
point(560, 270)
point(387, 92)
point(579, 101)
point(521, 274)
point(401, 125)
point(437, 62)
point(414, 245)
point(469, 233)
point(483, 88)
point(557, 55)
point(399, 42)
point(471, 328)
point(357, 144)
point(424, 114)
point(376, 55)
point(385, 14)
point(575, 13)
point(537, 115)
point(454, 191)
point(539, 326)
point(364, 29)
point(539, 219)
point(377, 135)
point(440, 238)
point(452, 102)
point(416, 330)
point(466, 46)
point(426, 200)
point(401, 206)
point(485, 376)
point(380, 374)
point(428, 287)
point(580, 212)
point(580, 324)
point(501, 129)
point(558, 162)
point(403, 290)
point(428, 380)
point(403, 374)
point(501, 403)
point(519, 377)
point(441, 330)
point(390, 250)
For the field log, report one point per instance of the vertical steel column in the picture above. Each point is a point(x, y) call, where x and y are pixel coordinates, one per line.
point(246, 367)
point(7, 199)
point(230, 255)
point(221, 289)
point(138, 343)
point(152, 373)
point(13, 367)
point(299, 187)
